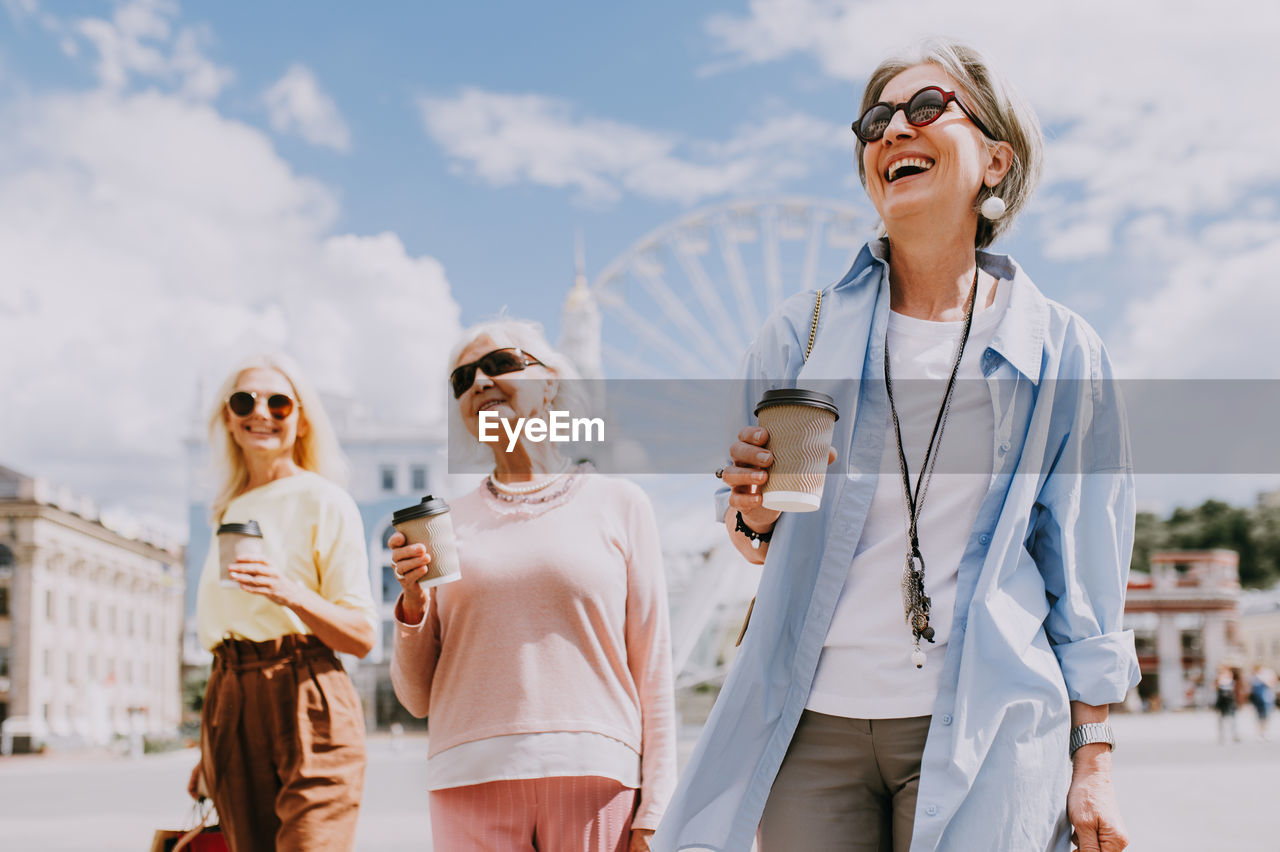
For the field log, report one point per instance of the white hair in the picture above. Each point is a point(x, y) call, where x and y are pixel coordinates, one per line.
point(529, 337)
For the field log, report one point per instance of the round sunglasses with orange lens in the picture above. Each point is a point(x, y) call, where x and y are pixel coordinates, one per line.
point(242, 403)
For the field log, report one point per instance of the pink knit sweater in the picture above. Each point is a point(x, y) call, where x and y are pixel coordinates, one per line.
point(559, 623)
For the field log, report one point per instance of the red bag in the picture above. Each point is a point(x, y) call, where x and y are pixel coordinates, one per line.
point(201, 837)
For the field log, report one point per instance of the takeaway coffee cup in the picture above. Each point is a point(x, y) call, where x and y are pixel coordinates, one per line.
point(800, 424)
point(237, 541)
point(428, 523)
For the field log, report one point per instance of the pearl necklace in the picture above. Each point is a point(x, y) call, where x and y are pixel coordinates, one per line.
point(531, 488)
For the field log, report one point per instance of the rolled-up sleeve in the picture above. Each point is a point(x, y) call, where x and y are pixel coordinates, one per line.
point(1083, 539)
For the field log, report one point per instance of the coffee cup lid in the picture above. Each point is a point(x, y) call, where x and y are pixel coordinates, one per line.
point(428, 507)
point(247, 528)
point(797, 396)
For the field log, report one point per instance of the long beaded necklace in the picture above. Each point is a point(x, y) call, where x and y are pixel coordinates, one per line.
point(915, 602)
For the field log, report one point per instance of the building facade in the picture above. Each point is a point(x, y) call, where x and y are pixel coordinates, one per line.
point(1260, 629)
point(90, 621)
point(1185, 616)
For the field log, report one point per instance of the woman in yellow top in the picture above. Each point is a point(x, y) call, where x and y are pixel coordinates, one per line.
point(282, 733)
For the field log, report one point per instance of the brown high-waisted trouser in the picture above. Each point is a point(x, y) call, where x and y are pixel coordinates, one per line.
point(282, 738)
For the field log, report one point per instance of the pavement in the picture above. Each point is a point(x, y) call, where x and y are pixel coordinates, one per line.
point(1178, 788)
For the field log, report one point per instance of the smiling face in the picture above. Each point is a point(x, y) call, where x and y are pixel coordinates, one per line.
point(258, 433)
point(524, 393)
point(933, 172)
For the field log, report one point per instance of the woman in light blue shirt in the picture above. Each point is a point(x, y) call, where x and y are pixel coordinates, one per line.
point(932, 653)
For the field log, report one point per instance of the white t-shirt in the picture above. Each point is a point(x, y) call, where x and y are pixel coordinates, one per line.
point(865, 671)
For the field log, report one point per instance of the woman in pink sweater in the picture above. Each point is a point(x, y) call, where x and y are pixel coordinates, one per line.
point(546, 669)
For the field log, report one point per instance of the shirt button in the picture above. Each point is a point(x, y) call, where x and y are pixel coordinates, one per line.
point(984, 539)
point(946, 718)
point(932, 810)
point(1004, 446)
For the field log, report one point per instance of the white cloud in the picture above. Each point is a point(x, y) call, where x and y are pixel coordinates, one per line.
point(297, 104)
point(1155, 105)
point(504, 138)
point(150, 242)
point(1161, 148)
point(140, 40)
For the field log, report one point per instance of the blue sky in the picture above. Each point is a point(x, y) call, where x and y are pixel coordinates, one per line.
point(184, 183)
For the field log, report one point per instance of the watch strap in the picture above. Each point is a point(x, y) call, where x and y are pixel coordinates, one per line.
point(1092, 732)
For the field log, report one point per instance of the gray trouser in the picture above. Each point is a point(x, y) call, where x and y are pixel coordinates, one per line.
point(846, 784)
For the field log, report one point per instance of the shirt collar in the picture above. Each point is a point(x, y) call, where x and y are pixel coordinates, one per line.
point(1019, 338)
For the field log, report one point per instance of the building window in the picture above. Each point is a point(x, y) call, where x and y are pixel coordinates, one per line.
point(93, 616)
point(48, 663)
point(146, 627)
point(387, 474)
point(6, 556)
point(128, 624)
point(71, 611)
point(71, 668)
point(111, 619)
point(418, 477)
point(4, 662)
point(128, 672)
point(92, 670)
point(48, 604)
point(4, 601)
point(390, 585)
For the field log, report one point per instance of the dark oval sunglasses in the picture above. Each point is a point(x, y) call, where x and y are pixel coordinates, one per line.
point(242, 404)
point(923, 108)
point(495, 363)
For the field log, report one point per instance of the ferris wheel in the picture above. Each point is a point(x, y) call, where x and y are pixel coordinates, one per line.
point(686, 299)
point(684, 302)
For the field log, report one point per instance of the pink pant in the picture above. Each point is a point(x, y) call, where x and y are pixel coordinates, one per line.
point(575, 814)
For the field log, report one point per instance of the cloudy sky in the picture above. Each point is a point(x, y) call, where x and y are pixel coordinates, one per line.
point(184, 184)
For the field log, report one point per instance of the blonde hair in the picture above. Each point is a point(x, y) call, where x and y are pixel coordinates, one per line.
point(989, 96)
point(315, 449)
point(529, 337)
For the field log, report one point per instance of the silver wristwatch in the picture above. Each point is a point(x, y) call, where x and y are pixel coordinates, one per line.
point(1092, 732)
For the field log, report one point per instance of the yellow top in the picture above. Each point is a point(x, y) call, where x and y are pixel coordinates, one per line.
point(312, 533)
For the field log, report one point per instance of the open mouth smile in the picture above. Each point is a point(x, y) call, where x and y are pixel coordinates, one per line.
point(906, 167)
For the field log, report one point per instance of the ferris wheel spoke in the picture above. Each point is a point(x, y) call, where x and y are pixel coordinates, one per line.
point(717, 311)
point(772, 262)
point(636, 366)
point(684, 319)
point(738, 279)
point(816, 226)
point(690, 364)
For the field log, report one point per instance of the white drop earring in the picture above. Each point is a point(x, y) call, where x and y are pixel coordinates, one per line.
point(993, 208)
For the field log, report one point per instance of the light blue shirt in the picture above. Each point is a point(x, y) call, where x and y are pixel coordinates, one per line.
point(1040, 591)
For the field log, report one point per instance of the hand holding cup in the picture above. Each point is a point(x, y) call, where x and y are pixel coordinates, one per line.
point(749, 474)
point(410, 563)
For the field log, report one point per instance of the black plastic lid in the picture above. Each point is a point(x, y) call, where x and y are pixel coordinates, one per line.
point(247, 528)
point(797, 396)
point(428, 507)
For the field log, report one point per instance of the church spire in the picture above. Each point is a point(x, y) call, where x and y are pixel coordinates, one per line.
point(580, 318)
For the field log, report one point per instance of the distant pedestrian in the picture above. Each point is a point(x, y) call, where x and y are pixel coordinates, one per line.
point(1262, 695)
point(1226, 705)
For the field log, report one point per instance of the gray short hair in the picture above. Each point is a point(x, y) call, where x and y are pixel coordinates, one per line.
point(989, 96)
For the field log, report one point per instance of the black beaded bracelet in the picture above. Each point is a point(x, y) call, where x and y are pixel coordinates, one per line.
point(756, 537)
